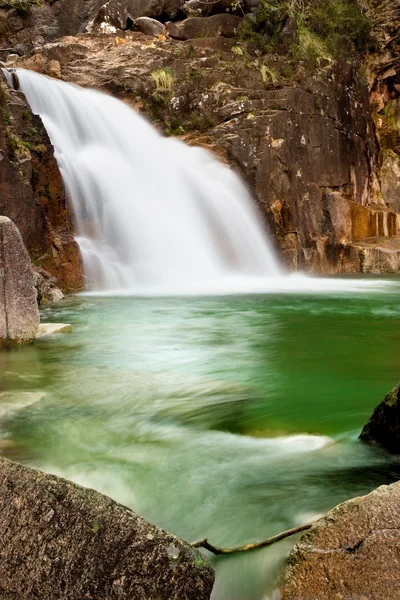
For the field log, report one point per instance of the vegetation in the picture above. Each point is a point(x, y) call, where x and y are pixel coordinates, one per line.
point(325, 28)
point(164, 80)
point(23, 6)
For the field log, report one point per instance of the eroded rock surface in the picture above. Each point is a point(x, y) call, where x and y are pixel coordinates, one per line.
point(383, 428)
point(32, 193)
point(19, 314)
point(352, 553)
point(62, 541)
point(307, 149)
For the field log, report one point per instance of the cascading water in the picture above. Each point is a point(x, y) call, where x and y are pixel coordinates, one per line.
point(151, 212)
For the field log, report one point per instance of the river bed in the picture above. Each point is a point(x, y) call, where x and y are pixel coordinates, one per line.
point(232, 418)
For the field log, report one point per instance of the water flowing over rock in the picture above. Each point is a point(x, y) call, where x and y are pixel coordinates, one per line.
point(19, 314)
point(150, 211)
point(383, 428)
point(353, 552)
point(62, 541)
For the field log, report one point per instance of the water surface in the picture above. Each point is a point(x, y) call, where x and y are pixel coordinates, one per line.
point(227, 417)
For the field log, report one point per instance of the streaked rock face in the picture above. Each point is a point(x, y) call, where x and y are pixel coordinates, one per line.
point(352, 553)
point(19, 313)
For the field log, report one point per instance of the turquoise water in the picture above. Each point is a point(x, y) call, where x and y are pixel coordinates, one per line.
point(228, 417)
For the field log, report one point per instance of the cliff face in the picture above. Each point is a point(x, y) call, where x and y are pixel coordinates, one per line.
point(32, 193)
point(314, 135)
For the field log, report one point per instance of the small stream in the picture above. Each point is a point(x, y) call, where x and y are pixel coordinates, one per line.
point(233, 417)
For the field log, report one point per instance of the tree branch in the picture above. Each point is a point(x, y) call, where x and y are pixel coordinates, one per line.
point(255, 546)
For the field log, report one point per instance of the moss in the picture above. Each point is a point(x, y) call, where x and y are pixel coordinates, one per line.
point(96, 525)
point(173, 127)
point(16, 147)
point(23, 6)
point(6, 115)
point(200, 122)
point(194, 74)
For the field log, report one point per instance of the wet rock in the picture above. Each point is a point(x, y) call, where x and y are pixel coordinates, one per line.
point(62, 541)
point(383, 428)
point(149, 26)
point(46, 288)
point(354, 552)
point(19, 314)
point(194, 27)
point(46, 329)
point(32, 192)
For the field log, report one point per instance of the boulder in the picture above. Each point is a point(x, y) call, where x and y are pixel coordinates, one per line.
point(122, 13)
point(383, 428)
point(60, 540)
point(19, 313)
point(149, 26)
point(352, 553)
point(204, 27)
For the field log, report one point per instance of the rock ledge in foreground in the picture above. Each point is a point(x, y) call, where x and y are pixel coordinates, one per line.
point(352, 553)
point(60, 540)
point(383, 428)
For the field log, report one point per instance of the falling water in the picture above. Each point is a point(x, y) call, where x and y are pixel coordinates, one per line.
point(150, 212)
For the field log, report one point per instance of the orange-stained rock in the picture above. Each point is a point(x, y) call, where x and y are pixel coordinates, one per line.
point(32, 192)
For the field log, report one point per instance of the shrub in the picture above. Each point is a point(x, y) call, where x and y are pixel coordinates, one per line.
point(23, 6)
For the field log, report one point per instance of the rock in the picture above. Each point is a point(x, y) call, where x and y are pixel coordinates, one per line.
point(46, 289)
point(62, 541)
point(53, 328)
point(289, 31)
point(205, 27)
point(352, 553)
point(195, 8)
point(122, 13)
point(19, 314)
point(32, 193)
point(148, 26)
point(383, 428)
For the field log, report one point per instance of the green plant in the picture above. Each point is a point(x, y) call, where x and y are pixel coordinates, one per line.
point(195, 74)
point(164, 80)
point(23, 6)
point(6, 115)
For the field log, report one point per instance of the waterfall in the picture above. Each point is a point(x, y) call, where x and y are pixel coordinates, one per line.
point(151, 212)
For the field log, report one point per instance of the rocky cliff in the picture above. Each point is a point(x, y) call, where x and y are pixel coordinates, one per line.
point(32, 193)
point(299, 97)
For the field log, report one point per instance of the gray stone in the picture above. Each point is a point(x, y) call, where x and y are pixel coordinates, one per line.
point(383, 428)
point(149, 26)
point(19, 313)
point(204, 27)
point(60, 540)
point(351, 554)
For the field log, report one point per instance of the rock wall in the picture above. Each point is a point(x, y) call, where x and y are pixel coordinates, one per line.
point(62, 541)
point(32, 193)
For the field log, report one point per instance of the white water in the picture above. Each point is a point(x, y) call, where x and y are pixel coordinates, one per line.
point(153, 215)
point(151, 212)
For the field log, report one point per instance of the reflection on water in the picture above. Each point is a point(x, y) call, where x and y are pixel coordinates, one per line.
point(231, 418)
